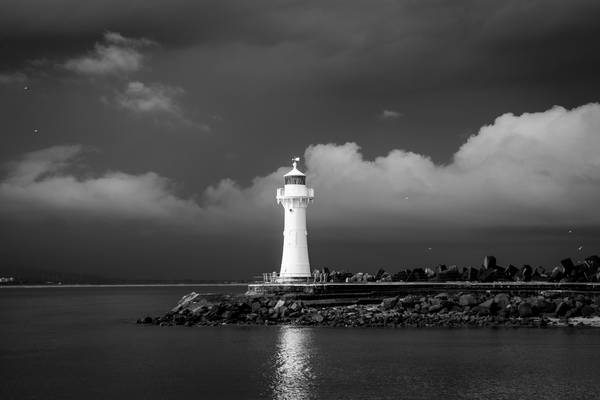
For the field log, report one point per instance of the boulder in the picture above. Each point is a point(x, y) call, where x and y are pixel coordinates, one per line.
point(385, 277)
point(185, 300)
point(525, 310)
point(227, 315)
point(489, 262)
point(568, 266)
point(417, 275)
point(389, 303)
point(586, 311)
point(279, 304)
point(488, 307)
point(511, 272)
point(408, 301)
point(434, 301)
point(557, 274)
point(470, 274)
point(467, 300)
point(562, 308)
point(435, 308)
point(401, 276)
point(502, 301)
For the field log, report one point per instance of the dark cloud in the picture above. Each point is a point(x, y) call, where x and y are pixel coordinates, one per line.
point(408, 43)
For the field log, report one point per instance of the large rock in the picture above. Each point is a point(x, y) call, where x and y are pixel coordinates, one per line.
point(435, 308)
point(227, 315)
point(562, 308)
point(317, 317)
point(408, 301)
point(525, 310)
point(586, 311)
point(185, 300)
point(279, 304)
point(489, 262)
point(467, 300)
point(488, 307)
point(502, 301)
point(388, 303)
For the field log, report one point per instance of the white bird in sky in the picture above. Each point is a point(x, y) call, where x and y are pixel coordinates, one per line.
point(580, 247)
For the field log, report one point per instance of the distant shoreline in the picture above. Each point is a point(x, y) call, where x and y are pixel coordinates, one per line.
point(120, 285)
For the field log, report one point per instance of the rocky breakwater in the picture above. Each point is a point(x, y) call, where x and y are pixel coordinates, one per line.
point(439, 310)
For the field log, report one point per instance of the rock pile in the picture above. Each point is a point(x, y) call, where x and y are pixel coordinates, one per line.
point(567, 271)
point(439, 310)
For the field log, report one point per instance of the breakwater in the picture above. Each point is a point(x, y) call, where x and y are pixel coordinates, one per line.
point(435, 309)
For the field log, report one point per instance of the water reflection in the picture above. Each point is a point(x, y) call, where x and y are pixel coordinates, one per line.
point(294, 375)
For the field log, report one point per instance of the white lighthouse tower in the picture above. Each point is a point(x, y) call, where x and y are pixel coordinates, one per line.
point(294, 198)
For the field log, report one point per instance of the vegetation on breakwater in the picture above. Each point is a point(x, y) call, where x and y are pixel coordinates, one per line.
point(439, 310)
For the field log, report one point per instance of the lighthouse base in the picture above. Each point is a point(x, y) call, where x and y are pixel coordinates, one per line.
point(294, 278)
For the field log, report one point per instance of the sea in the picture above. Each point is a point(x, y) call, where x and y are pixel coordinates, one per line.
point(75, 342)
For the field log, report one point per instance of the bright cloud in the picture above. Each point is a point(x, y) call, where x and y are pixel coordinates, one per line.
point(116, 55)
point(531, 171)
point(40, 185)
point(155, 98)
point(388, 114)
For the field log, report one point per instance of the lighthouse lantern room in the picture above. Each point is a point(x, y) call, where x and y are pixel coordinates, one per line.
point(295, 198)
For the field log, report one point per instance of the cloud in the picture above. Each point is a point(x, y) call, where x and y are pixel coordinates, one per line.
point(43, 184)
point(117, 55)
point(118, 39)
point(156, 99)
point(387, 114)
point(533, 171)
point(38, 186)
point(15, 77)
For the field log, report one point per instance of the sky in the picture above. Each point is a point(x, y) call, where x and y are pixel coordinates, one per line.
point(146, 139)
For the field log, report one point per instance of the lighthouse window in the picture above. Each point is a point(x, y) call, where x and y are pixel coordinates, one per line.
point(295, 180)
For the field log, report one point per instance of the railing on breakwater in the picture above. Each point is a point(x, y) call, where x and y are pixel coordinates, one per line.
point(274, 277)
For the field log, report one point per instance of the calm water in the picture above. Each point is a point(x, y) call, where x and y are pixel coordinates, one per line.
point(83, 343)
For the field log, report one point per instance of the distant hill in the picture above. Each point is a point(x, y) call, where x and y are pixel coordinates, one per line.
point(34, 276)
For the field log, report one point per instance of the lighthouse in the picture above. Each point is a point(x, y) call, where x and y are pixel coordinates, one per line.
point(295, 198)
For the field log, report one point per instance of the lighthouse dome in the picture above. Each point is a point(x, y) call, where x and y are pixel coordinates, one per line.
point(295, 177)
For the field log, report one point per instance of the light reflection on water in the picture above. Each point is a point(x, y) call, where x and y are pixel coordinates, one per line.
point(294, 375)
